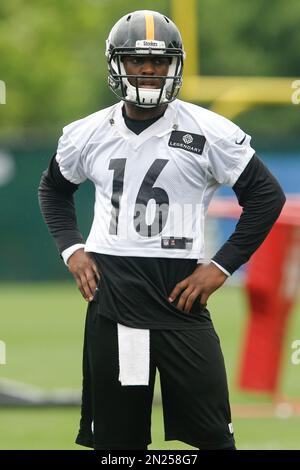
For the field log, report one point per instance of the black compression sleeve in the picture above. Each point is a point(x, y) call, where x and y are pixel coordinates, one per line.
point(262, 199)
point(58, 208)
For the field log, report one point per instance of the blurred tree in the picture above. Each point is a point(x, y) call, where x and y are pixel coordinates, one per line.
point(52, 53)
point(254, 38)
point(52, 59)
point(249, 38)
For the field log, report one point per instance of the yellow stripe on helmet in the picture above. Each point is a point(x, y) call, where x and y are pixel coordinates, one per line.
point(149, 26)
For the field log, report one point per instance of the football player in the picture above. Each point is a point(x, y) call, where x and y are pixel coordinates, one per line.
point(156, 162)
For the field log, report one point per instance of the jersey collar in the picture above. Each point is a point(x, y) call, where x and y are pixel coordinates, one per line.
point(165, 125)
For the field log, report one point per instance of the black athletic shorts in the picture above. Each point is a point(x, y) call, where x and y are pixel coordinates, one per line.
point(193, 385)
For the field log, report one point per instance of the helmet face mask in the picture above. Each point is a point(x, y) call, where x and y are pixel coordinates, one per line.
point(127, 38)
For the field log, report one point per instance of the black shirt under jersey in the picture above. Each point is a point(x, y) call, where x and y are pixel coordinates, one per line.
point(134, 290)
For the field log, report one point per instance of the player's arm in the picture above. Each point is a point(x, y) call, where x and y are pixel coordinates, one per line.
point(56, 198)
point(262, 199)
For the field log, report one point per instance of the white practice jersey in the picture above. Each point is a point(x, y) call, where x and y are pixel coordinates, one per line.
point(153, 189)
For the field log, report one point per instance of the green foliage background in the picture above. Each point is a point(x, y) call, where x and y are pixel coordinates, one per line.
point(52, 58)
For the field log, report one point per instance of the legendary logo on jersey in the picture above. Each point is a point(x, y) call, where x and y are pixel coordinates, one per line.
point(187, 141)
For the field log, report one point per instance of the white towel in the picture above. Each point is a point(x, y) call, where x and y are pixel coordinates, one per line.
point(134, 355)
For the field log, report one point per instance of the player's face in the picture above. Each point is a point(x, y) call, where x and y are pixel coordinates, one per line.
point(148, 66)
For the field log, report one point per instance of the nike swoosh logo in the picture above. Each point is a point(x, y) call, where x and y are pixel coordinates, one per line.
point(240, 143)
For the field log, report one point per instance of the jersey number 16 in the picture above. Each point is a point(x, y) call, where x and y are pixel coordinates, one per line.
point(146, 192)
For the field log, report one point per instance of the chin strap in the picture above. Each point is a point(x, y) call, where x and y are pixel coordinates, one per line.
point(148, 97)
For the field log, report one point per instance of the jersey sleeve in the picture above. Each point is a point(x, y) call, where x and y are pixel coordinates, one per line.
point(69, 159)
point(262, 199)
point(229, 155)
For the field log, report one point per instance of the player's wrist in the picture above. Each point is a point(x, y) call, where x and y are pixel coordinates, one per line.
point(68, 252)
point(217, 265)
point(219, 269)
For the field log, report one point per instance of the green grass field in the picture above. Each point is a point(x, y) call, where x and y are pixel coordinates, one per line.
point(42, 326)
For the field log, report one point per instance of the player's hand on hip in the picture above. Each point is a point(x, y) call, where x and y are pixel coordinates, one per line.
point(199, 285)
point(85, 272)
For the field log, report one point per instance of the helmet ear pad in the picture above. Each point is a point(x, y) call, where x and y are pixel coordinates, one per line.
point(175, 69)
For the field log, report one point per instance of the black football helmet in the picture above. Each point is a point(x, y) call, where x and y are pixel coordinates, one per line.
point(138, 34)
